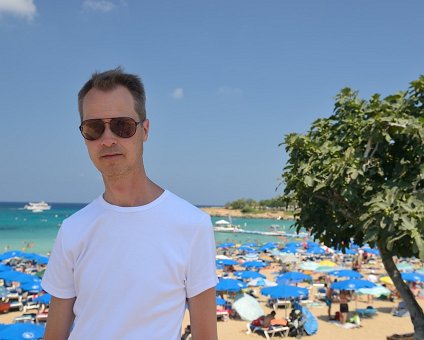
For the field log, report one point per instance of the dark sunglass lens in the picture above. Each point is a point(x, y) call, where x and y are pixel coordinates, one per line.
point(92, 129)
point(123, 127)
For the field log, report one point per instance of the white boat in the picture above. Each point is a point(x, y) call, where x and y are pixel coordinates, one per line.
point(37, 206)
point(226, 227)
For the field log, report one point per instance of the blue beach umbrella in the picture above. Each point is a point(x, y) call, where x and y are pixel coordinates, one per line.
point(12, 275)
point(412, 277)
point(291, 250)
point(285, 292)
point(346, 273)
point(293, 277)
point(371, 251)
point(32, 287)
point(220, 301)
point(247, 249)
point(376, 291)
point(254, 264)
point(4, 268)
point(44, 299)
point(226, 245)
point(229, 285)
point(352, 284)
point(315, 250)
point(293, 244)
point(226, 262)
point(248, 274)
point(267, 246)
point(10, 254)
point(22, 331)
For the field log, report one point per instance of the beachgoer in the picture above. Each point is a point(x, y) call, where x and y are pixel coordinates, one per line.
point(344, 297)
point(125, 266)
point(328, 298)
point(268, 318)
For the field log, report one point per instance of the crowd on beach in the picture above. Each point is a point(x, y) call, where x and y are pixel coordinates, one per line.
point(250, 287)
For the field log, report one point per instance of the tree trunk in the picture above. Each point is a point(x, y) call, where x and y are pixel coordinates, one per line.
point(415, 311)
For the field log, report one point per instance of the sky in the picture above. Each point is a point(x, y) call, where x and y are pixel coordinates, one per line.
point(225, 82)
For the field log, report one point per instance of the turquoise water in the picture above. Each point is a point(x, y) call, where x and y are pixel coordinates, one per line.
point(20, 228)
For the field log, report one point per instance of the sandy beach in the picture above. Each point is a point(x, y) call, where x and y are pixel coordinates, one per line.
point(223, 212)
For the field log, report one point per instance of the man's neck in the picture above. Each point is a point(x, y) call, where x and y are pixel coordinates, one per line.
point(131, 191)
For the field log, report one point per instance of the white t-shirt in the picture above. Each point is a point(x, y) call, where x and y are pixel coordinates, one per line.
point(132, 268)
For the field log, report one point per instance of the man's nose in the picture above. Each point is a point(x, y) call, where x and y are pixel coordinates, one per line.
point(108, 137)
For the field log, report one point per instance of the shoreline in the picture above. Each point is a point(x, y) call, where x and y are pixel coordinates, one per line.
point(224, 212)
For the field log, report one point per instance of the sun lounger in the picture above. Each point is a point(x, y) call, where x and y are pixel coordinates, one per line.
point(222, 314)
point(366, 312)
point(268, 332)
point(275, 303)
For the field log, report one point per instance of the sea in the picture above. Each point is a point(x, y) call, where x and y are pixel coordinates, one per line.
point(24, 230)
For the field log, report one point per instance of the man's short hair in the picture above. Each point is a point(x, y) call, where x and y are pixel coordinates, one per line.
point(109, 80)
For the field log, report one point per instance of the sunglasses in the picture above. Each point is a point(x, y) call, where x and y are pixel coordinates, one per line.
point(123, 127)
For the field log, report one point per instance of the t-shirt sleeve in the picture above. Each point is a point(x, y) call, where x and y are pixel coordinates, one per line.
point(58, 279)
point(201, 272)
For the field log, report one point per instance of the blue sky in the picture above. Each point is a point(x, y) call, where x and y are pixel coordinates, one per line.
point(225, 81)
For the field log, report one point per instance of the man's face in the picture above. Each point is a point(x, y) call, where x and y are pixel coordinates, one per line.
point(114, 156)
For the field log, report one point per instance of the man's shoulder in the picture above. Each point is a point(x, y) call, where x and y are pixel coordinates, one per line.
point(90, 211)
point(184, 210)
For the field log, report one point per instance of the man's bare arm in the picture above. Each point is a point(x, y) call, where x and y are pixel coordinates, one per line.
point(60, 319)
point(202, 309)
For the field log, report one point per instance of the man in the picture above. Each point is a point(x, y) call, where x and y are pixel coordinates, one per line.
point(124, 266)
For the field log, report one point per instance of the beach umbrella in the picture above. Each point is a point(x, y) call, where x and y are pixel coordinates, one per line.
point(324, 269)
point(290, 250)
point(293, 277)
point(32, 287)
point(404, 267)
point(251, 256)
point(346, 273)
point(315, 251)
point(254, 264)
point(248, 274)
point(12, 275)
point(293, 244)
point(226, 262)
point(327, 263)
point(261, 282)
point(267, 246)
point(352, 284)
point(386, 280)
point(229, 285)
point(4, 268)
point(219, 301)
point(412, 277)
point(247, 307)
point(371, 251)
point(309, 266)
point(285, 292)
point(375, 291)
point(226, 245)
point(11, 254)
point(45, 299)
point(347, 251)
point(22, 331)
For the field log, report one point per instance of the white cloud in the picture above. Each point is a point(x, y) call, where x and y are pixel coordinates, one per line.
point(99, 5)
point(22, 8)
point(178, 93)
point(229, 91)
